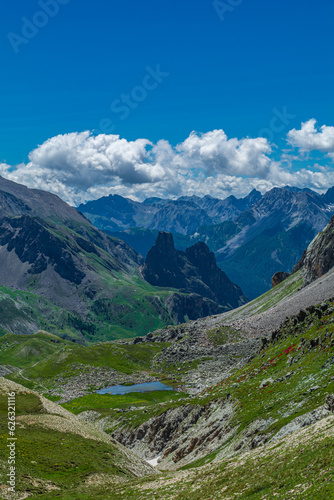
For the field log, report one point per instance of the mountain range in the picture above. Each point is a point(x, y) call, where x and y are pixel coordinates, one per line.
point(184, 215)
point(258, 233)
point(59, 272)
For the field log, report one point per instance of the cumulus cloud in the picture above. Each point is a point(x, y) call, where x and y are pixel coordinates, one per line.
point(218, 153)
point(312, 138)
point(80, 166)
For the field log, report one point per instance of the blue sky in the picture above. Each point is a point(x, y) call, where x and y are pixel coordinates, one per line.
point(234, 71)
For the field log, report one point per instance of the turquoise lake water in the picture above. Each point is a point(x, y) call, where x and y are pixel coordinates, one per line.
point(125, 389)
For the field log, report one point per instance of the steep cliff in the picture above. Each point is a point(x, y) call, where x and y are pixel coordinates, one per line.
point(319, 257)
point(192, 271)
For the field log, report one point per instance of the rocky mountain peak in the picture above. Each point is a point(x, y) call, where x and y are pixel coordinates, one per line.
point(164, 244)
point(328, 197)
point(200, 256)
point(252, 197)
point(193, 271)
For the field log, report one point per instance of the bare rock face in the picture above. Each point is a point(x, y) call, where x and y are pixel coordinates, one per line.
point(278, 278)
point(194, 271)
point(329, 403)
point(37, 246)
point(319, 258)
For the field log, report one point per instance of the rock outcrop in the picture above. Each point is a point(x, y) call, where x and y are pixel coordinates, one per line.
point(319, 257)
point(193, 271)
point(278, 278)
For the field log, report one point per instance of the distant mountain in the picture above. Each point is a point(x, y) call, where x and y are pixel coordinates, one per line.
point(270, 235)
point(180, 216)
point(183, 216)
point(262, 234)
point(193, 271)
point(222, 210)
point(317, 258)
point(328, 197)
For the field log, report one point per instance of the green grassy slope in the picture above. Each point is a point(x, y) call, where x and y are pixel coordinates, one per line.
point(55, 451)
point(299, 468)
point(25, 350)
point(133, 308)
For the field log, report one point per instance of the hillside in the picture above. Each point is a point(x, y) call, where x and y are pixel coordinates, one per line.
point(56, 450)
point(274, 402)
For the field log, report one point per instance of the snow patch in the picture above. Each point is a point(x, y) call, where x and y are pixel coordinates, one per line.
point(154, 461)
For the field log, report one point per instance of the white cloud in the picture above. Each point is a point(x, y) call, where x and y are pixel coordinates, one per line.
point(311, 138)
point(80, 167)
point(217, 153)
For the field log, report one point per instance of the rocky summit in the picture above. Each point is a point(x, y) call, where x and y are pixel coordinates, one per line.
point(194, 271)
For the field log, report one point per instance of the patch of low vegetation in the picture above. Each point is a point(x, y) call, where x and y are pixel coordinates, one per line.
point(25, 350)
point(107, 403)
point(135, 308)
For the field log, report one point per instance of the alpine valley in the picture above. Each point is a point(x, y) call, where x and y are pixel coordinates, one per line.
point(248, 410)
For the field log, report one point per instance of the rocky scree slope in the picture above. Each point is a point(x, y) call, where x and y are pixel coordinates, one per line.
point(259, 473)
